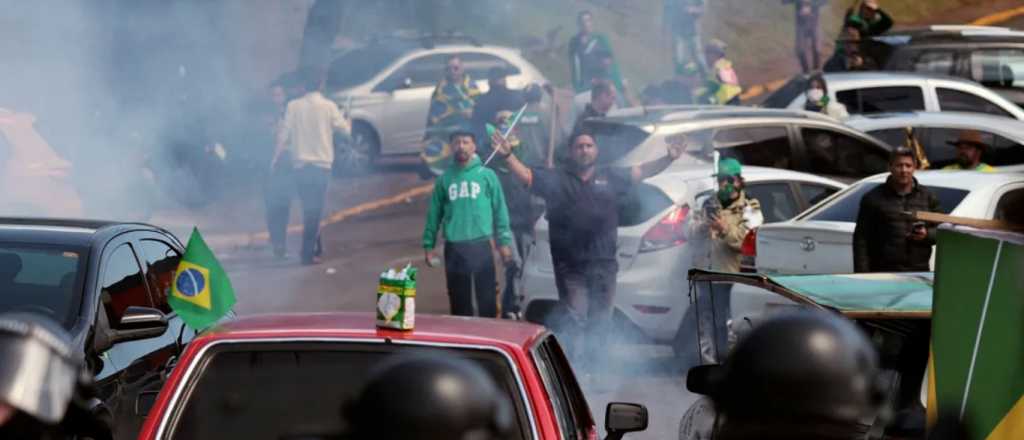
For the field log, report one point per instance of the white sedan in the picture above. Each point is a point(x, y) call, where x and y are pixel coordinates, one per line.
point(653, 254)
point(820, 241)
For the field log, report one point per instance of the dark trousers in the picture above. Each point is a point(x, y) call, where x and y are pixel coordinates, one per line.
point(513, 274)
point(311, 184)
point(469, 265)
point(587, 291)
point(807, 44)
point(277, 194)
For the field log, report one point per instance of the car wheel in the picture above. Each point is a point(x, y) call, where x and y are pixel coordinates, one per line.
point(357, 155)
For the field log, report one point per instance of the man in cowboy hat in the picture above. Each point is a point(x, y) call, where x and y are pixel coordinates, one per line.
point(969, 148)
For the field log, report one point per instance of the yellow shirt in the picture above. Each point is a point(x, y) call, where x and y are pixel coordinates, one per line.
point(985, 168)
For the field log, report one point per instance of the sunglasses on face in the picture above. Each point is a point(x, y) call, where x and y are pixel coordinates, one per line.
point(727, 179)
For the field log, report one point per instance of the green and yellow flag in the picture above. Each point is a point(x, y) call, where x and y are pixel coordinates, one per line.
point(978, 333)
point(201, 293)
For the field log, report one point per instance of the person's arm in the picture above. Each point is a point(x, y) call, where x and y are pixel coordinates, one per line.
point(438, 110)
point(283, 137)
point(434, 215)
point(863, 233)
point(340, 123)
point(648, 169)
point(574, 65)
point(883, 24)
point(518, 169)
point(499, 208)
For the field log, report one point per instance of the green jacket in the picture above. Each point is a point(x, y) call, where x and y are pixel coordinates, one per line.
point(469, 203)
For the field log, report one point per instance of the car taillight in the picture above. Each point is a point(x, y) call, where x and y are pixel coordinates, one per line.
point(749, 247)
point(669, 232)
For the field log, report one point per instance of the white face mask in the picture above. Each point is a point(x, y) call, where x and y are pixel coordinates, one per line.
point(815, 95)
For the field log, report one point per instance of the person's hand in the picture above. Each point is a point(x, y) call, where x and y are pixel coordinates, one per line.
point(919, 233)
point(676, 146)
point(500, 144)
point(430, 256)
point(718, 225)
point(506, 255)
point(871, 4)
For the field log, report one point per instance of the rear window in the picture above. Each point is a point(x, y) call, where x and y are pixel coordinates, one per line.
point(785, 95)
point(265, 390)
point(615, 140)
point(882, 99)
point(845, 209)
point(42, 279)
point(643, 202)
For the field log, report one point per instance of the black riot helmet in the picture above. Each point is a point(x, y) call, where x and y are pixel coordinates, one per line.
point(429, 398)
point(45, 389)
point(797, 375)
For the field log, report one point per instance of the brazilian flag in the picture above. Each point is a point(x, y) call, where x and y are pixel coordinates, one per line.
point(978, 334)
point(201, 293)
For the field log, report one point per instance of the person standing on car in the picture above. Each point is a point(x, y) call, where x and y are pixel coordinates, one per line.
point(498, 98)
point(849, 55)
point(818, 99)
point(869, 18)
point(590, 56)
point(886, 238)
point(970, 146)
point(683, 20)
point(307, 135)
point(723, 85)
point(807, 14)
point(581, 200)
point(728, 216)
point(451, 104)
point(469, 205)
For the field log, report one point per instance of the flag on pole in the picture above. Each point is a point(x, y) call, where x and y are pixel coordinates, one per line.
point(978, 333)
point(201, 293)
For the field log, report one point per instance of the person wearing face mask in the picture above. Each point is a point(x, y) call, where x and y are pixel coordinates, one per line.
point(722, 227)
point(819, 101)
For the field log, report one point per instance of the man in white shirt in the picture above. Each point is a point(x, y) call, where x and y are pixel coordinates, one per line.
point(307, 138)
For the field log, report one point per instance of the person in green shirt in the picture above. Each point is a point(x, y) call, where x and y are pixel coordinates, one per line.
point(469, 205)
point(591, 57)
point(970, 146)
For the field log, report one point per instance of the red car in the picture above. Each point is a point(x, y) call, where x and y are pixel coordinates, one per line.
point(287, 376)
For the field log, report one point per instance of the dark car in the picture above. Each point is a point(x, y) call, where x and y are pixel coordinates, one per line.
point(992, 56)
point(106, 283)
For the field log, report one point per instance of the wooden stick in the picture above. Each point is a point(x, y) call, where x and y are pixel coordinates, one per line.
point(998, 225)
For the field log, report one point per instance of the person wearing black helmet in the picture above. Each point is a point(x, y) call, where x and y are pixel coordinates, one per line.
point(45, 390)
point(429, 398)
point(803, 375)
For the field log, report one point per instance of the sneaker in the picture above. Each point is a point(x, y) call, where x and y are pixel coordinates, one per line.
point(311, 261)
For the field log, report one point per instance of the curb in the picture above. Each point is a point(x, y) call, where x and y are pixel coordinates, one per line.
point(988, 20)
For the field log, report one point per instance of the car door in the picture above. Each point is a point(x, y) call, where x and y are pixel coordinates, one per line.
point(410, 87)
point(571, 411)
point(122, 285)
point(1002, 152)
point(832, 153)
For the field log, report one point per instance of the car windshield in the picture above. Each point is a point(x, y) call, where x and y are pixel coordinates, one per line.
point(642, 203)
point(358, 66)
point(847, 205)
point(264, 390)
point(41, 279)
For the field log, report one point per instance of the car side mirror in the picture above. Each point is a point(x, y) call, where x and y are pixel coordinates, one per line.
point(140, 323)
point(622, 418)
point(702, 378)
point(144, 401)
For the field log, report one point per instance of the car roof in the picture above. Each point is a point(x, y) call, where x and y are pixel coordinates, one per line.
point(952, 33)
point(750, 173)
point(834, 79)
point(965, 180)
point(362, 325)
point(73, 232)
point(876, 121)
point(696, 113)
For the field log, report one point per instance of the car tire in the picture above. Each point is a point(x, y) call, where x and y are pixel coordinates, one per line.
point(357, 155)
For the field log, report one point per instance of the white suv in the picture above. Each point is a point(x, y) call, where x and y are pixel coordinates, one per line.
point(386, 86)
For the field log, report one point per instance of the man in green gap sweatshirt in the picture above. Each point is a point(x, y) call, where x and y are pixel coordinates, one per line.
point(469, 205)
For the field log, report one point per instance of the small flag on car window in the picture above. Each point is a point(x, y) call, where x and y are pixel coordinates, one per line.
point(201, 293)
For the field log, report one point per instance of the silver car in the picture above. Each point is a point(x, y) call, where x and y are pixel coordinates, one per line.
point(879, 92)
point(386, 86)
point(935, 131)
